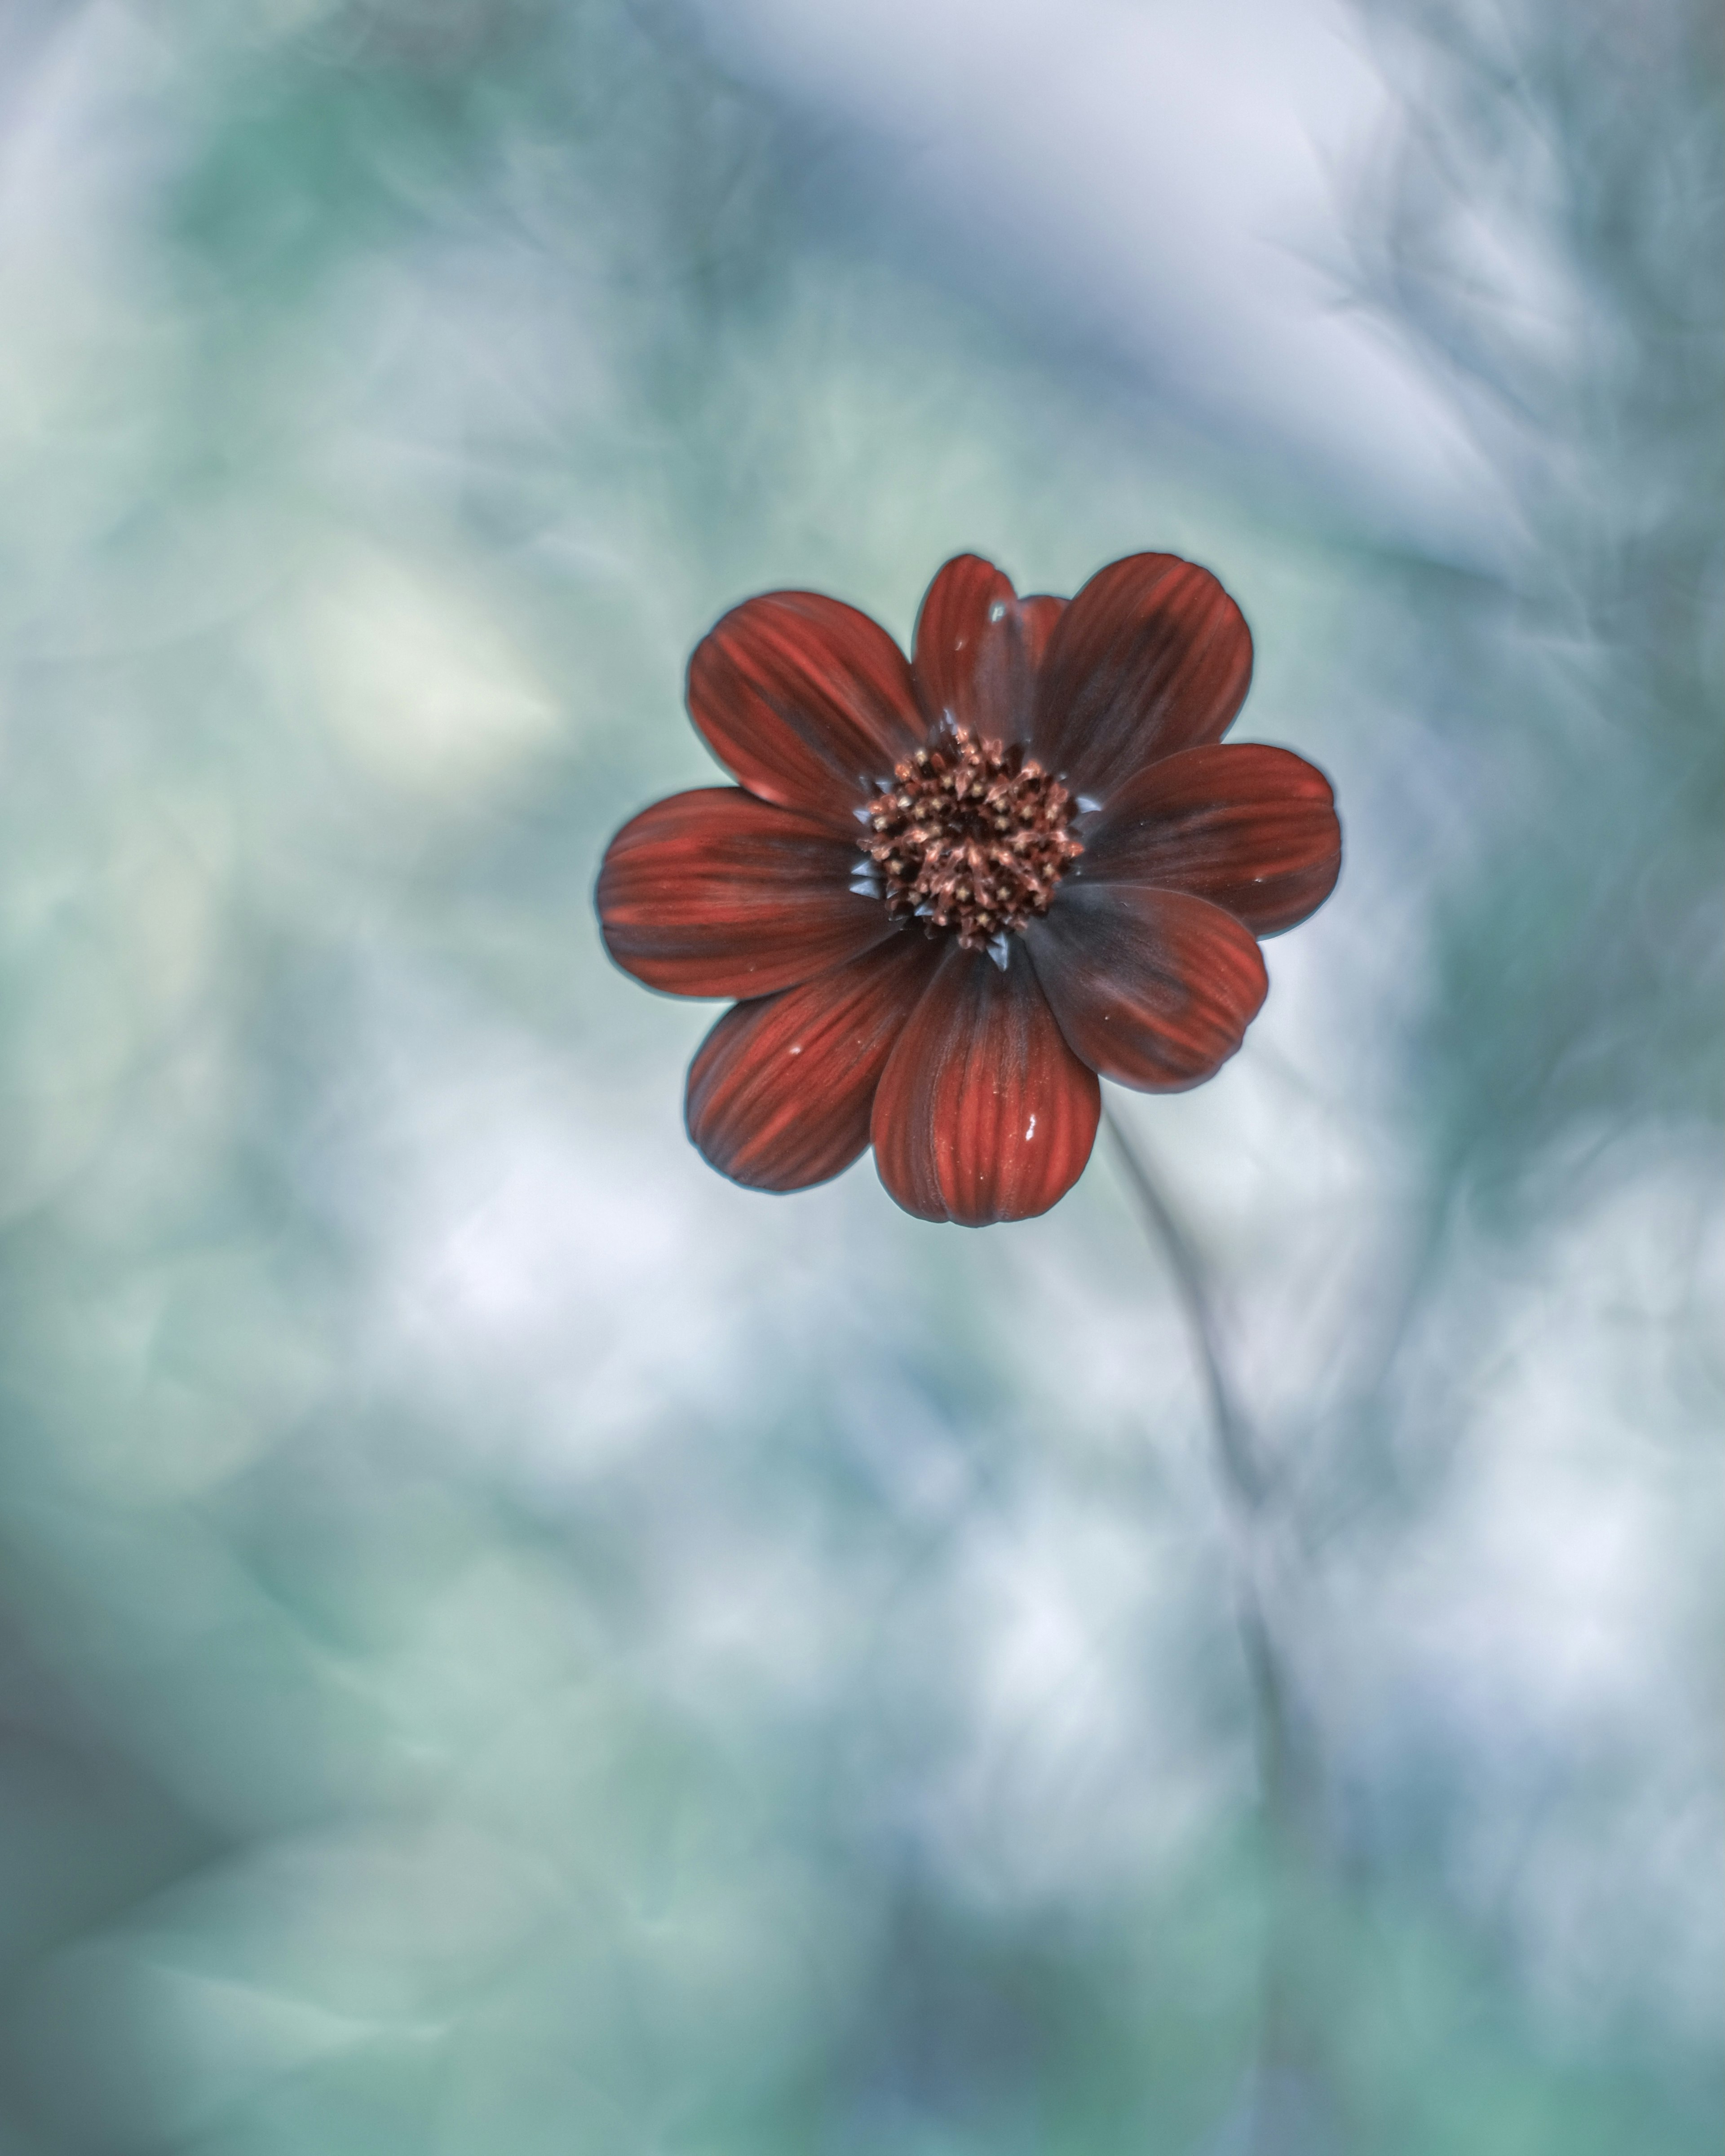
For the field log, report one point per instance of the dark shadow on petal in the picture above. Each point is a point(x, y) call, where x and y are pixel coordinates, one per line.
point(1249, 828)
point(779, 1092)
point(983, 1112)
point(806, 701)
point(714, 893)
point(1153, 988)
point(1151, 657)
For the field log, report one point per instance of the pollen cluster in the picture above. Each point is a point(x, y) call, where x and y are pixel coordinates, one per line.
point(970, 836)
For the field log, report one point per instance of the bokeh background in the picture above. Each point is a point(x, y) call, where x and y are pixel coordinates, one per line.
point(509, 1644)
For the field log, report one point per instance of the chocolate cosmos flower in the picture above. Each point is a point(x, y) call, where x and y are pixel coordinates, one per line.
point(950, 892)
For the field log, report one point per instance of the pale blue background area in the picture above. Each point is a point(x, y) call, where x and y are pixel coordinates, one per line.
point(509, 1644)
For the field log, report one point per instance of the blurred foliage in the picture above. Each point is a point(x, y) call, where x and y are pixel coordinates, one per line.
point(1589, 350)
point(508, 1644)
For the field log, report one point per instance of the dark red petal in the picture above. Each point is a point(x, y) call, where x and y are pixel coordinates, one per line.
point(780, 1089)
point(983, 1113)
point(1247, 827)
point(1152, 988)
point(1152, 656)
point(977, 650)
point(1037, 616)
point(714, 893)
point(805, 699)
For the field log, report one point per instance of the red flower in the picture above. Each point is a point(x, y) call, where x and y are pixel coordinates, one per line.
point(950, 892)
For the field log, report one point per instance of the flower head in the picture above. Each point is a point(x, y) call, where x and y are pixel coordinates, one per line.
point(949, 892)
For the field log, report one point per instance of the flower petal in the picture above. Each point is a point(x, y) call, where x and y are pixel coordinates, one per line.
point(714, 893)
point(1153, 988)
point(1249, 828)
point(804, 700)
point(1152, 656)
point(780, 1089)
point(983, 1113)
point(1037, 616)
point(976, 649)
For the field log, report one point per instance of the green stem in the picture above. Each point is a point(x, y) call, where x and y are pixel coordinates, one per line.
point(1247, 1494)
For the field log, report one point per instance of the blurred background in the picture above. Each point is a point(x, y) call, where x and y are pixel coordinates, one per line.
point(508, 1643)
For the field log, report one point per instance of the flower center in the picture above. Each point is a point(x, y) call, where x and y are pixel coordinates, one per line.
point(971, 836)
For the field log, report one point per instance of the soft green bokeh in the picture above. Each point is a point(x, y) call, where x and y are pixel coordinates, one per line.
point(512, 1645)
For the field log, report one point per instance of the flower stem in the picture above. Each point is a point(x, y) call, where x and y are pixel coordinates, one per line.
point(1285, 1781)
